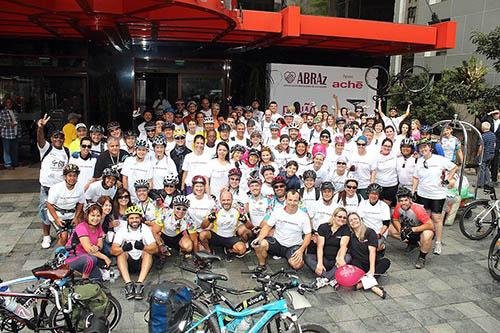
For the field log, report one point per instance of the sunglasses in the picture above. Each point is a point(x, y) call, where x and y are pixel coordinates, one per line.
point(181, 208)
point(279, 186)
point(361, 144)
point(341, 163)
point(124, 197)
point(351, 187)
point(150, 130)
point(58, 136)
point(325, 137)
point(182, 137)
point(343, 217)
point(171, 186)
point(234, 179)
point(86, 146)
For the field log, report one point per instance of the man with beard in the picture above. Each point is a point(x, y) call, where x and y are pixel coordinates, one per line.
point(308, 126)
point(112, 158)
point(350, 143)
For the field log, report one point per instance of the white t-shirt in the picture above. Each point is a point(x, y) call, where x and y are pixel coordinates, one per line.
point(257, 208)
point(289, 228)
point(406, 169)
point(86, 167)
point(218, 174)
point(364, 166)
point(321, 213)
point(226, 223)
point(350, 148)
point(161, 168)
point(395, 122)
point(386, 170)
point(199, 209)
point(429, 176)
point(304, 163)
point(129, 235)
point(321, 174)
point(267, 189)
point(309, 197)
point(271, 143)
point(351, 205)
point(195, 165)
point(136, 170)
point(61, 197)
point(99, 148)
point(338, 180)
point(373, 215)
point(96, 190)
point(51, 168)
point(281, 158)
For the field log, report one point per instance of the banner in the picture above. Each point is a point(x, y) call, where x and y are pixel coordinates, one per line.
point(318, 84)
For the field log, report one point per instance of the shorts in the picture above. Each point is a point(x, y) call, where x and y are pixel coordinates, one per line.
point(434, 205)
point(134, 266)
point(276, 249)
point(42, 205)
point(172, 242)
point(226, 242)
point(66, 228)
point(415, 237)
point(389, 194)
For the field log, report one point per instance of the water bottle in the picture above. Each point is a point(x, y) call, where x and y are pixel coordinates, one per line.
point(244, 326)
point(10, 304)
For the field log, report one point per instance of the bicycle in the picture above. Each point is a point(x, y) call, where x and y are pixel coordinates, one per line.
point(494, 257)
point(480, 217)
point(414, 79)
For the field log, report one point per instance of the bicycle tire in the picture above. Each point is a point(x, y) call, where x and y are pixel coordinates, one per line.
point(469, 221)
point(281, 325)
point(380, 74)
point(200, 310)
point(494, 257)
point(55, 316)
point(313, 328)
point(416, 79)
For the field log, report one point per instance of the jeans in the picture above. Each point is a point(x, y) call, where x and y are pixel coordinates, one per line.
point(311, 261)
point(494, 166)
point(10, 152)
point(42, 206)
point(484, 174)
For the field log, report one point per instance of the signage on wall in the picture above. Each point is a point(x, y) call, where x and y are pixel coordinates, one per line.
point(317, 84)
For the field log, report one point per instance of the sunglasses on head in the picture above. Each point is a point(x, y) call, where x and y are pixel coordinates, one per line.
point(86, 146)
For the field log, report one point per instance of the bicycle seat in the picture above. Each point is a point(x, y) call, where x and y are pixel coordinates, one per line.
point(45, 272)
point(209, 276)
point(204, 256)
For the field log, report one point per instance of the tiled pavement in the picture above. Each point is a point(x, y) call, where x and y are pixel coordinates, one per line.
point(454, 293)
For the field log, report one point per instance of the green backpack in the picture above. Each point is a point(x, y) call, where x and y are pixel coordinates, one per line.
point(94, 301)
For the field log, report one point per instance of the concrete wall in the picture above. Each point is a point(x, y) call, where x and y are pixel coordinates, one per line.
point(470, 15)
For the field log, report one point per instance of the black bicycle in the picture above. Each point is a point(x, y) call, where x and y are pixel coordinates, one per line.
point(414, 79)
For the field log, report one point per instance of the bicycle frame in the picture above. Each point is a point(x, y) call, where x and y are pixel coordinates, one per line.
point(496, 206)
point(269, 310)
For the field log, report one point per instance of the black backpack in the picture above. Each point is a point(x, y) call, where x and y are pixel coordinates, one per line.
point(317, 192)
point(66, 150)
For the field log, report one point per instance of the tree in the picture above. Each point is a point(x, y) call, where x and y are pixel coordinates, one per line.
point(488, 44)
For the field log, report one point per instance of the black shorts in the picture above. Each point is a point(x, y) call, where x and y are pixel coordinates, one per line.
point(415, 237)
point(67, 227)
point(172, 242)
point(389, 194)
point(434, 205)
point(276, 249)
point(134, 266)
point(227, 242)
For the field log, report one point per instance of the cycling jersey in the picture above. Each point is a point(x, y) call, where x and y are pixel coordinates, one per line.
point(171, 226)
point(257, 207)
point(226, 222)
point(413, 217)
point(151, 211)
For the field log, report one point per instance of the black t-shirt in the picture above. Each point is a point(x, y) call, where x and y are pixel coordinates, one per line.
point(359, 249)
point(332, 240)
point(106, 161)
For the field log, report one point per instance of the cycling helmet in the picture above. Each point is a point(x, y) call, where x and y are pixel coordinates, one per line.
point(149, 126)
point(224, 127)
point(208, 120)
point(254, 151)
point(238, 148)
point(108, 172)
point(252, 180)
point(327, 186)
point(130, 133)
point(141, 143)
point(403, 192)
point(339, 140)
point(309, 174)
point(181, 200)
point(278, 180)
point(407, 142)
point(141, 183)
point(170, 179)
point(179, 132)
point(274, 126)
point(301, 141)
point(68, 168)
point(374, 188)
point(294, 126)
point(266, 168)
point(159, 140)
point(425, 129)
point(134, 209)
point(199, 180)
point(234, 172)
point(113, 125)
point(287, 114)
point(96, 129)
point(168, 125)
point(423, 141)
point(340, 120)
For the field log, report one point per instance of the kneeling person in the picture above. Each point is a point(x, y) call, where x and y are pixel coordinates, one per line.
point(413, 224)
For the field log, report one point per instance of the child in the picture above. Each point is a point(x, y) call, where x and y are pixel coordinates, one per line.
point(291, 179)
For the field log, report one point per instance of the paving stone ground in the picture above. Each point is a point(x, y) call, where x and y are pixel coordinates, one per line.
point(454, 293)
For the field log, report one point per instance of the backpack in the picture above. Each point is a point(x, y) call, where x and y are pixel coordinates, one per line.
point(95, 302)
point(169, 305)
point(66, 150)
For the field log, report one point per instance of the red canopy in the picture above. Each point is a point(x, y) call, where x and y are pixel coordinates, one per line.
point(122, 21)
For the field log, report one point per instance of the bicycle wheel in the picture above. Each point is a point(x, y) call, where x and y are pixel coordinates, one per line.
point(279, 324)
point(313, 328)
point(494, 257)
point(476, 222)
point(416, 78)
point(377, 78)
point(199, 311)
point(114, 314)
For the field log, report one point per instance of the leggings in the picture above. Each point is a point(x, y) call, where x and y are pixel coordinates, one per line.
point(85, 264)
point(311, 261)
point(381, 265)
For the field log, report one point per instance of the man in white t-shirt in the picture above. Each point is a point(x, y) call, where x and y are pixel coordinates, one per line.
point(107, 186)
point(137, 167)
point(65, 203)
point(322, 210)
point(393, 118)
point(292, 234)
point(53, 156)
point(134, 247)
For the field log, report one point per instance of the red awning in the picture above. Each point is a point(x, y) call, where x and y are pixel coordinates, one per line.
point(122, 21)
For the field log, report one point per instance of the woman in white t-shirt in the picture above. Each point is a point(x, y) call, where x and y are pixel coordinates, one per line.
point(283, 152)
point(195, 164)
point(218, 168)
point(200, 202)
point(431, 180)
point(348, 197)
point(386, 173)
point(363, 165)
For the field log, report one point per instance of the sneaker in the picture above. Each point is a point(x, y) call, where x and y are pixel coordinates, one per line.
point(420, 263)
point(139, 291)
point(247, 251)
point(438, 248)
point(321, 282)
point(106, 274)
point(46, 242)
point(276, 257)
point(129, 290)
point(334, 284)
point(410, 247)
point(260, 269)
point(229, 256)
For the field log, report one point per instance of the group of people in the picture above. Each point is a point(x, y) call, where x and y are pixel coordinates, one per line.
point(316, 188)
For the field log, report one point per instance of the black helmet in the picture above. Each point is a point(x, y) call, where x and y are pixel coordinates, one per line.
point(327, 186)
point(266, 168)
point(224, 127)
point(403, 192)
point(68, 168)
point(108, 172)
point(309, 174)
point(374, 187)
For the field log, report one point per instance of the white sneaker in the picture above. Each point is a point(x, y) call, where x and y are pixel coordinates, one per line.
point(46, 242)
point(321, 282)
point(438, 248)
point(105, 274)
point(276, 257)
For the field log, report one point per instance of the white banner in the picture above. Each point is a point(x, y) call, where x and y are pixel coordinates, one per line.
point(317, 84)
